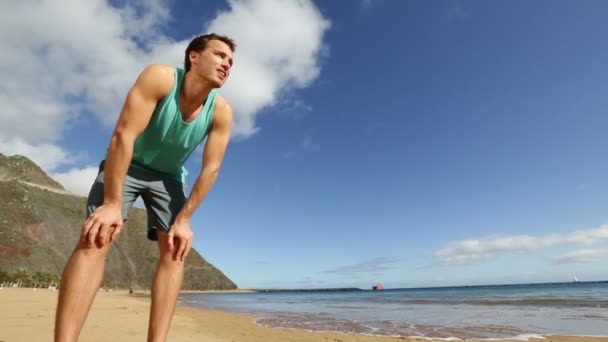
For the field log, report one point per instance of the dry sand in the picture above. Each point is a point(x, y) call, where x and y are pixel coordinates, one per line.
point(28, 315)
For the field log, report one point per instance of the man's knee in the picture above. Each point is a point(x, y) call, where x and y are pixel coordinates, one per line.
point(168, 255)
point(168, 259)
point(96, 250)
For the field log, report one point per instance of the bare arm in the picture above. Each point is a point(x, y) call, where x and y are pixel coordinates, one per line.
point(213, 155)
point(151, 85)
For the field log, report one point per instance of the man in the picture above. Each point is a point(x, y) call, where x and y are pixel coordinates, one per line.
point(166, 114)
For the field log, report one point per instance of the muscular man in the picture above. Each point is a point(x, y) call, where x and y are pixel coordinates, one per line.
point(166, 114)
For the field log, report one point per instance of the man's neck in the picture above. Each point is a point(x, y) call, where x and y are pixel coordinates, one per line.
point(195, 89)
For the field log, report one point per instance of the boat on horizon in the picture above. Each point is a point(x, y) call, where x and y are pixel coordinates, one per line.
point(378, 287)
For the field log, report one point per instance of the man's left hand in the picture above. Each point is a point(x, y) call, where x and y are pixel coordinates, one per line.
point(180, 239)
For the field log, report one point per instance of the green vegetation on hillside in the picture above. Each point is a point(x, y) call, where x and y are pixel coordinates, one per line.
point(23, 277)
point(39, 229)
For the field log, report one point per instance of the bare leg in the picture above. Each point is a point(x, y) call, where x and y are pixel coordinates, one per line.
point(80, 282)
point(165, 289)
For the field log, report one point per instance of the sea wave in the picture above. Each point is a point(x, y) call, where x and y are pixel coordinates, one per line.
point(549, 302)
point(389, 328)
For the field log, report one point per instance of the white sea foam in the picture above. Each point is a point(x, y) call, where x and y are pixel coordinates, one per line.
point(522, 337)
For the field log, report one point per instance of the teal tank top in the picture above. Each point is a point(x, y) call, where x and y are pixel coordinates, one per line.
point(167, 142)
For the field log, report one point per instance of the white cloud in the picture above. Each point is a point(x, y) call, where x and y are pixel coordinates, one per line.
point(279, 46)
point(64, 58)
point(475, 250)
point(77, 180)
point(374, 265)
point(367, 4)
point(457, 10)
point(59, 58)
point(581, 256)
point(309, 145)
point(47, 156)
point(306, 144)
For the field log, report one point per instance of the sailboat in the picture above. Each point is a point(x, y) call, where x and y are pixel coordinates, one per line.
point(575, 279)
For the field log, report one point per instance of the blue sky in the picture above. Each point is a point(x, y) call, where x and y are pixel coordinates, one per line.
point(409, 143)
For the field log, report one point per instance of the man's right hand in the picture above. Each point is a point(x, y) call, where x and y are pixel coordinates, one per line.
point(102, 226)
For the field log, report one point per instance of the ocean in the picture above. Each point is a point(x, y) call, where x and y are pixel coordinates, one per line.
point(497, 311)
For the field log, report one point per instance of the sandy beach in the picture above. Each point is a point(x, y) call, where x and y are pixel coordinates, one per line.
point(28, 315)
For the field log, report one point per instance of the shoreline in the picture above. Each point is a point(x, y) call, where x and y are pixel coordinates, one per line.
point(215, 291)
point(147, 292)
point(28, 315)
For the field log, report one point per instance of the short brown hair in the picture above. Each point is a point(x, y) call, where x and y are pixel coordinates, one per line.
point(199, 43)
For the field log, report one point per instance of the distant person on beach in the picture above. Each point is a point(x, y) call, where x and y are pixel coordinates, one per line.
point(167, 113)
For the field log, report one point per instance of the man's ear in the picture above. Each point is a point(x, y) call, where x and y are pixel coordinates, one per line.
point(193, 56)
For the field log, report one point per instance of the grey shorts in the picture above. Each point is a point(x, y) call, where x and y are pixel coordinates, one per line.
point(163, 197)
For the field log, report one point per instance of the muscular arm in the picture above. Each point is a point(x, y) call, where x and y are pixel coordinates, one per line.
point(153, 83)
point(213, 156)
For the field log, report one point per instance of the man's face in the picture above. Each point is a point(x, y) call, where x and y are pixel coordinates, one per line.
point(213, 63)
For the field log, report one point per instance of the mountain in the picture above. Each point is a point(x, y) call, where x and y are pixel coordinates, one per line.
point(21, 168)
point(40, 224)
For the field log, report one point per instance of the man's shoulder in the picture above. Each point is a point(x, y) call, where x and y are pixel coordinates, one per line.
point(160, 77)
point(160, 68)
point(221, 102)
point(223, 109)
